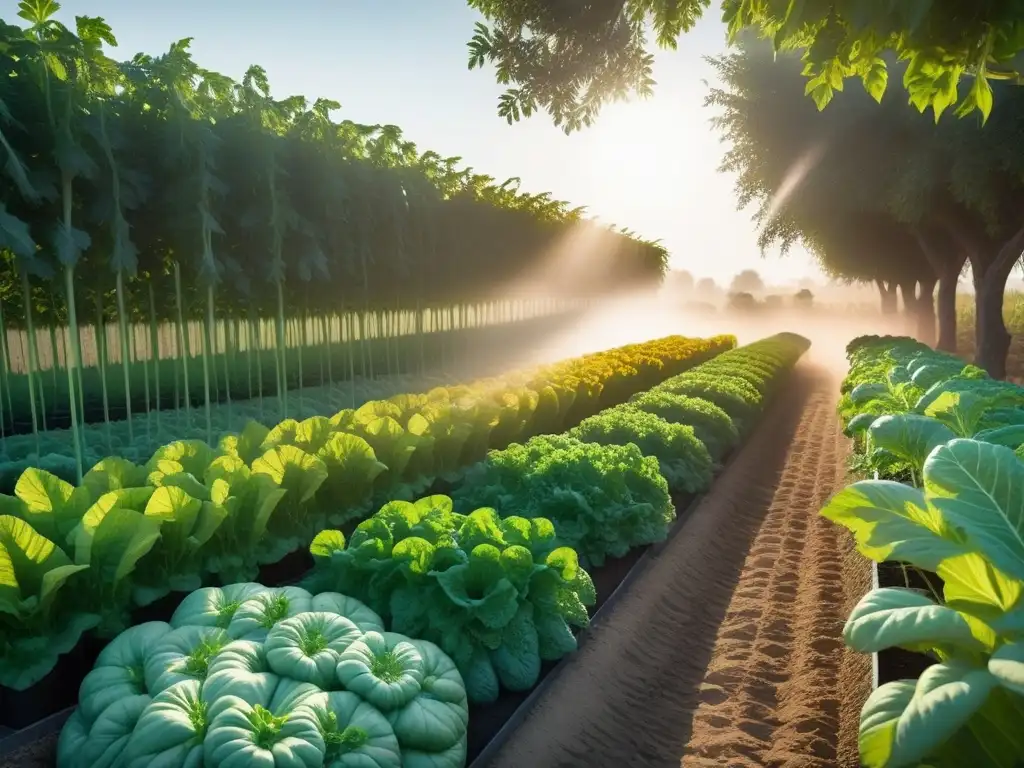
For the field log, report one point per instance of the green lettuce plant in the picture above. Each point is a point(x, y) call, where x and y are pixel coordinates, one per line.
point(683, 459)
point(244, 675)
point(603, 499)
point(39, 619)
point(497, 595)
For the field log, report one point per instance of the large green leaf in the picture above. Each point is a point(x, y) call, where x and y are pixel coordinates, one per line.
point(32, 568)
point(192, 456)
point(1011, 436)
point(113, 541)
point(111, 474)
point(909, 436)
point(352, 468)
point(391, 443)
point(248, 444)
point(312, 433)
point(888, 618)
point(51, 505)
point(291, 468)
point(892, 521)
point(979, 490)
point(1007, 665)
point(903, 722)
point(177, 513)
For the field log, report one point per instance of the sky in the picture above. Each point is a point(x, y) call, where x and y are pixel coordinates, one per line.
point(648, 165)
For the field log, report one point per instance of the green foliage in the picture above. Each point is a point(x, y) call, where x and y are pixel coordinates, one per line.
point(208, 689)
point(194, 513)
point(571, 59)
point(683, 459)
point(903, 399)
point(964, 524)
point(175, 164)
point(498, 595)
point(879, 193)
point(738, 380)
point(710, 424)
point(603, 499)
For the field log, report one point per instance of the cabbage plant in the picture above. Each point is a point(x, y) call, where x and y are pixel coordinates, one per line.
point(245, 675)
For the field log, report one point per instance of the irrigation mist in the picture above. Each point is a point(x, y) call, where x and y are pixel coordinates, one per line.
point(645, 315)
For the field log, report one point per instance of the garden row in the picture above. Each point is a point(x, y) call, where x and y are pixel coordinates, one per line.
point(243, 363)
point(343, 385)
point(392, 647)
point(81, 558)
point(944, 518)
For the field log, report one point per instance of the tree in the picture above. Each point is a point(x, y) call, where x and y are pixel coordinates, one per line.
point(706, 287)
point(880, 194)
point(803, 299)
point(172, 194)
point(741, 301)
point(747, 281)
point(680, 282)
point(571, 57)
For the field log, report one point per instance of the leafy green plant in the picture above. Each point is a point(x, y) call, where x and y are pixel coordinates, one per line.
point(498, 595)
point(738, 381)
point(39, 619)
point(195, 513)
point(963, 524)
point(711, 424)
point(603, 499)
point(682, 457)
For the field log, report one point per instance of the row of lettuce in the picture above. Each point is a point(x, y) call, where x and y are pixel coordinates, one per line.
point(428, 606)
point(947, 443)
point(76, 559)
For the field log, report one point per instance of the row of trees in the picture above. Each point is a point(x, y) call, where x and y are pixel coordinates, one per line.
point(744, 281)
point(879, 192)
point(125, 178)
point(155, 190)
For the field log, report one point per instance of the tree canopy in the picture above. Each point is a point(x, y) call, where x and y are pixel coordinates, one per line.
point(747, 281)
point(571, 57)
point(876, 192)
point(134, 171)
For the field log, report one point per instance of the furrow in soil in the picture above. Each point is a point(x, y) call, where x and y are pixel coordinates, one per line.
point(727, 650)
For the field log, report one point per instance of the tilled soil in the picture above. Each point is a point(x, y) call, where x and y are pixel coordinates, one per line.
point(727, 650)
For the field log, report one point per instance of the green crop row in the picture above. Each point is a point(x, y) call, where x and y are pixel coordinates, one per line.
point(955, 438)
point(79, 558)
point(479, 600)
point(500, 587)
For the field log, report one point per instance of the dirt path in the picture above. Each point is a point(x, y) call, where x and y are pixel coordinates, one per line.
point(726, 652)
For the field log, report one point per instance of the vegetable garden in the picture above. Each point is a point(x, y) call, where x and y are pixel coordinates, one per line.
point(405, 634)
point(272, 492)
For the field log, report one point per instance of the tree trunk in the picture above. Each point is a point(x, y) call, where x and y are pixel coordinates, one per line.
point(887, 295)
point(992, 340)
point(947, 262)
point(947, 312)
point(925, 311)
point(908, 292)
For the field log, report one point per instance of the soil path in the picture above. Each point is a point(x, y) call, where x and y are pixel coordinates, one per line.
point(727, 650)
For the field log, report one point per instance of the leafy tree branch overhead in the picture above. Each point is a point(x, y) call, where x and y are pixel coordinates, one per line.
point(571, 57)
